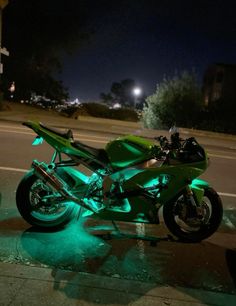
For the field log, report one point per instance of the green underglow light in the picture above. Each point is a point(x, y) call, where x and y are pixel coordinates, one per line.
point(69, 248)
point(164, 179)
point(199, 182)
point(37, 141)
point(126, 173)
point(151, 183)
point(132, 149)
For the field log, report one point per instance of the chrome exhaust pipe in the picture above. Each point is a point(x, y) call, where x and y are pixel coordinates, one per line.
point(50, 178)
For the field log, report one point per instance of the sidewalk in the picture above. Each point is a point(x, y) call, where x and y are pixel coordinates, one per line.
point(26, 285)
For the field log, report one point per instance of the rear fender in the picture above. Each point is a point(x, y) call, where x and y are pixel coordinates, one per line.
point(59, 143)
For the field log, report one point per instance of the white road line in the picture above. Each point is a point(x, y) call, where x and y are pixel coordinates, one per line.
point(12, 127)
point(92, 138)
point(221, 156)
point(221, 151)
point(228, 222)
point(225, 194)
point(81, 137)
point(13, 169)
point(17, 132)
point(77, 135)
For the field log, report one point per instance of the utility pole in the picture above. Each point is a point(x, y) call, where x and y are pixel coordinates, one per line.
point(4, 51)
point(3, 4)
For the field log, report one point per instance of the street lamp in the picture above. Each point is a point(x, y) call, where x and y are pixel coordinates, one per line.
point(137, 92)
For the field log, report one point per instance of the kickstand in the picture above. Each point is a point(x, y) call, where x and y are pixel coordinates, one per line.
point(153, 240)
point(79, 213)
point(117, 229)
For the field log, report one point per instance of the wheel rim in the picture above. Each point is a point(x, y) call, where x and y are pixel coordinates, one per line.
point(193, 224)
point(46, 205)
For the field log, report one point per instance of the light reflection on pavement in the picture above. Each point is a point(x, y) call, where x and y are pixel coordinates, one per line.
point(89, 246)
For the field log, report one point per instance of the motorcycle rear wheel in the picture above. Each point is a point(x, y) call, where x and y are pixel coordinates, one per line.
point(29, 201)
point(199, 231)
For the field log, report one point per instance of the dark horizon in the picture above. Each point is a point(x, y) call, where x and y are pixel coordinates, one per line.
point(145, 41)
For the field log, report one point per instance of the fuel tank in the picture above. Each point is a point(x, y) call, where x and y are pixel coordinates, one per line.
point(129, 150)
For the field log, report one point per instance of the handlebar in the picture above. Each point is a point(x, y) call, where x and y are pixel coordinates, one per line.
point(174, 143)
point(163, 141)
point(180, 149)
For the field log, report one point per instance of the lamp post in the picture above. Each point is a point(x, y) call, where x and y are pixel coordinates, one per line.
point(3, 3)
point(4, 51)
point(137, 91)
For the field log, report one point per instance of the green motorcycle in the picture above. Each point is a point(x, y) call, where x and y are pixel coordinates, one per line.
point(129, 180)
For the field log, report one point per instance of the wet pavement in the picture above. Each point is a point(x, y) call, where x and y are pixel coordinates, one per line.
point(94, 247)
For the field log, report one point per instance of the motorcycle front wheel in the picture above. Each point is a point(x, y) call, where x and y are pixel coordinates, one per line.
point(194, 228)
point(39, 205)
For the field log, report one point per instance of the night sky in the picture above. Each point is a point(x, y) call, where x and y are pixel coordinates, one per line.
point(146, 40)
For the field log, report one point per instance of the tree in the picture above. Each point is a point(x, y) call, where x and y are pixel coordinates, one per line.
point(219, 116)
point(37, 33)
point(122, 93)
point(177, 101)
point(106, 98)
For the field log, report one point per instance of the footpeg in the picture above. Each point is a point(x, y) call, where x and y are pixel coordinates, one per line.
point(93, 205)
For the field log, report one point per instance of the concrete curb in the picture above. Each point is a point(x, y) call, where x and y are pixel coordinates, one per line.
point(106, 125)
point(116, 127)
point(29, 285)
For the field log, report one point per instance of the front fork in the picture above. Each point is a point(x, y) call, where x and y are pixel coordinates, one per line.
point(195, 195)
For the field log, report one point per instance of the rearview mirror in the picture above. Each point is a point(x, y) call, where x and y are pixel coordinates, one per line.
point(173, 129)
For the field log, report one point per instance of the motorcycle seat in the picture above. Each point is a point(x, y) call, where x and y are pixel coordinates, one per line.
point(99, 154)
point(66, 134)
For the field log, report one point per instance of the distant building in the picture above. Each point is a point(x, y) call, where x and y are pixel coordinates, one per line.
point(219, 83)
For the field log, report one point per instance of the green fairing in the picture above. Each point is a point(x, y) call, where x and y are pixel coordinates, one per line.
point(177, 181)
point(129, 150)
point(129, 181)
point(126, 155)
point(60, 144)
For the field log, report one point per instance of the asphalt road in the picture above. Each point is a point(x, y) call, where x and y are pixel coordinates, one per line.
point(81, 246)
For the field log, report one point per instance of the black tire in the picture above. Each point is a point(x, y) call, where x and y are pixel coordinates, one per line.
point(30, 213)
point(202, 231)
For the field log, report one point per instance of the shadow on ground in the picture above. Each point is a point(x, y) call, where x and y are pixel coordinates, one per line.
point(201, 265)
point(88, 247)
point(230, 256)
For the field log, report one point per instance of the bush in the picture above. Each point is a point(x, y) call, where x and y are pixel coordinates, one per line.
point(218, 119)
point(102, 111)
point(176, 101)
point(96, 110)
point(125, 114)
